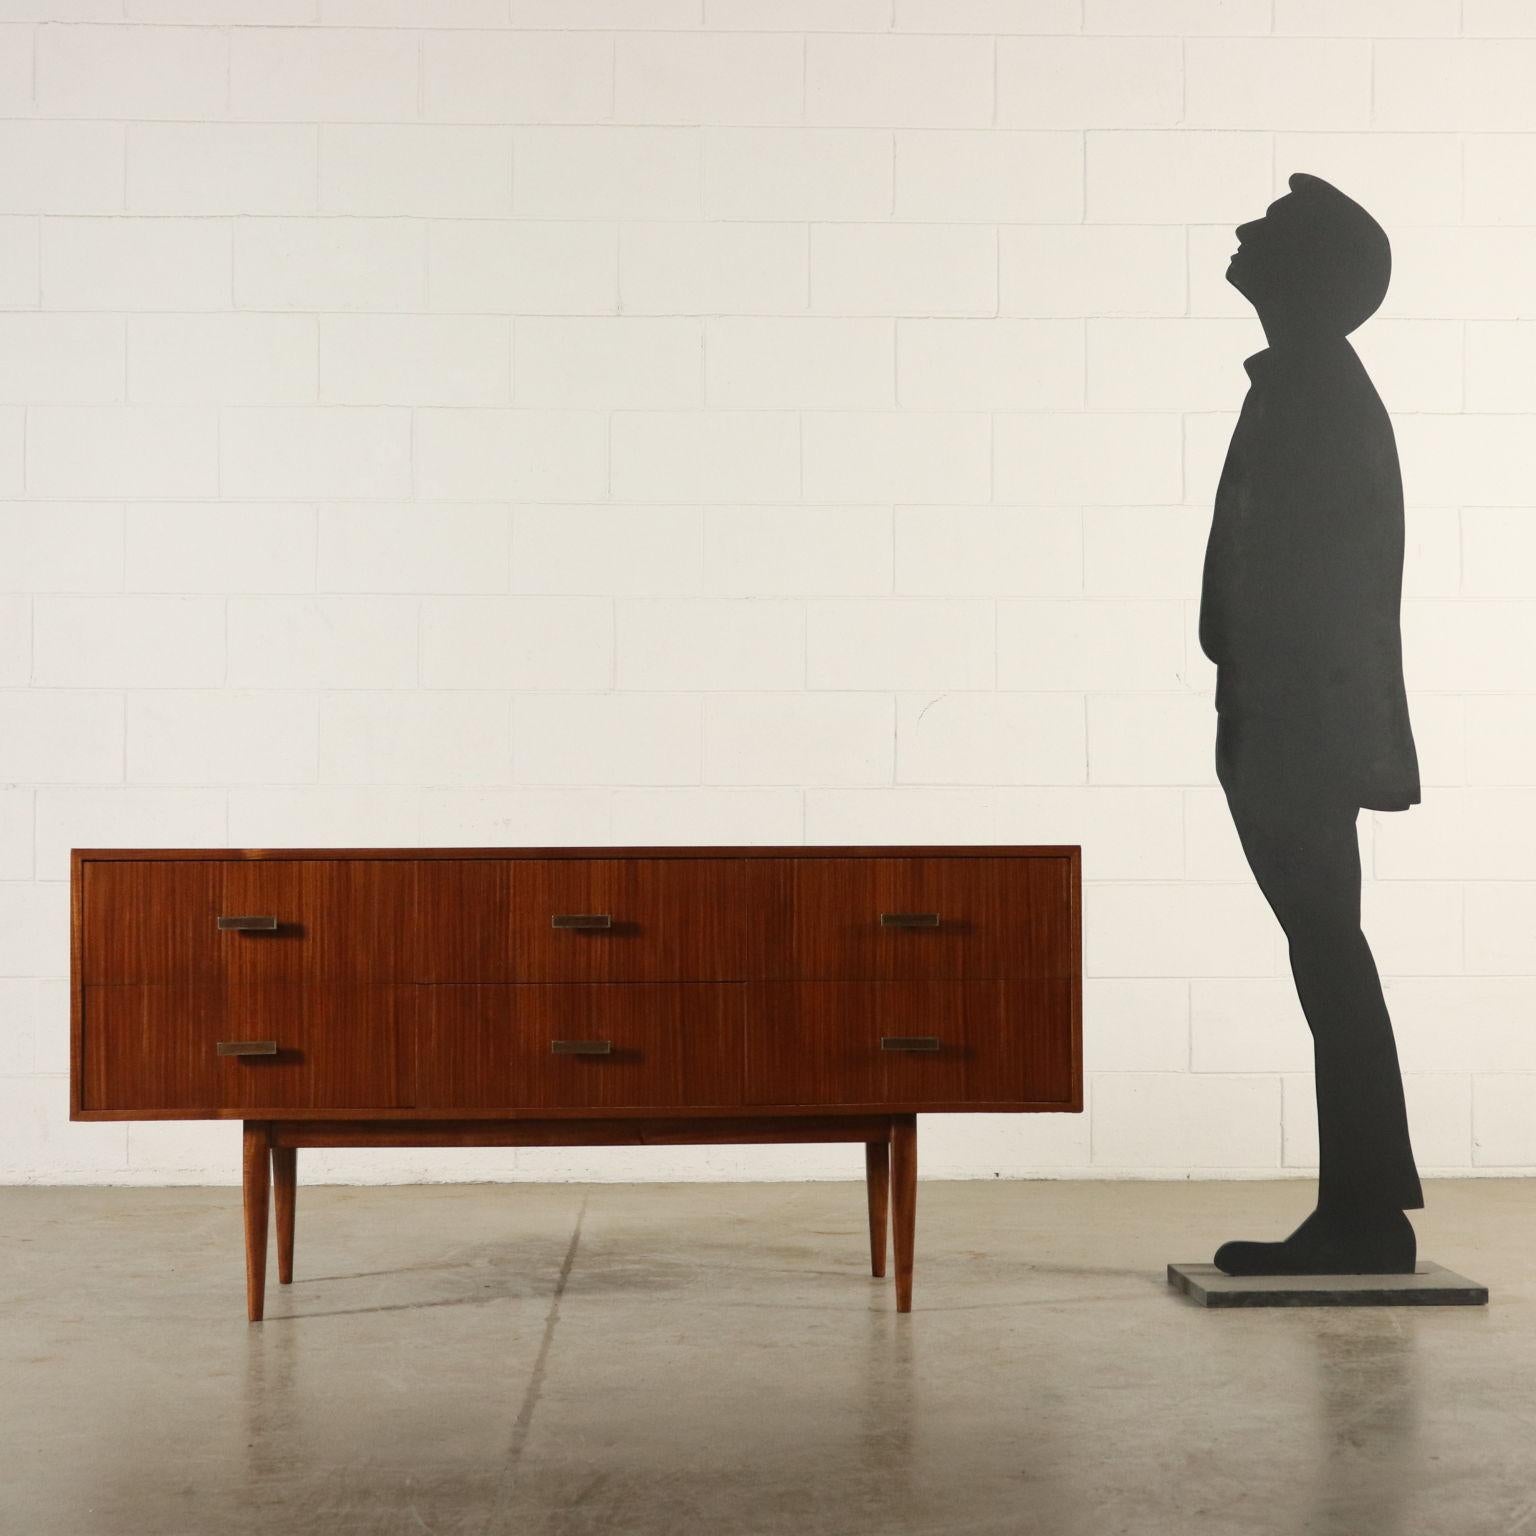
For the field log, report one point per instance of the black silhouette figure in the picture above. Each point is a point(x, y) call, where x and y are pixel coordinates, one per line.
point(1300, 613)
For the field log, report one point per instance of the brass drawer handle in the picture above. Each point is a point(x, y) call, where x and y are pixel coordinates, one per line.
point(581, 1047)
point(909, 1042)
point(247, 1047)
point(247, 924)
point(909, 919)
point(581, 920)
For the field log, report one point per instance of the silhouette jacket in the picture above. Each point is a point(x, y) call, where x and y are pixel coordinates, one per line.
point(1300, 604)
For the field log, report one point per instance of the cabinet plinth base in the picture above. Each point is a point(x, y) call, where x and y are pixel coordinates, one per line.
point(271, 1158)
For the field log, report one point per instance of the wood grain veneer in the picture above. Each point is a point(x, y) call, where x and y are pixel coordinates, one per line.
point(415, 997)
point(155, 921)
point(820, 1042)
point(670, 920)
point(340, 1047)
point(997, 918)
point(668, 1045)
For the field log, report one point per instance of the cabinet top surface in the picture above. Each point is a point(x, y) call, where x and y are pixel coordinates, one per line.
point(750, 851)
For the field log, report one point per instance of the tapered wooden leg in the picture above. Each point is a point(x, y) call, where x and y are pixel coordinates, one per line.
point(285, 1180)
point(257, 1179)
point(877, 1179)
point(904, 1202)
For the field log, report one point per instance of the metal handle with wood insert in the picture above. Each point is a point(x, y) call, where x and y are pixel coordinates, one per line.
point(246, 1047)
point(581, 1047)
point(909, 919)
point(247, 924)
point(580, 920)
point(909, 1042)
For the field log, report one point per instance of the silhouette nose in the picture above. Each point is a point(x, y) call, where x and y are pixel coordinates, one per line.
point(1246, 231)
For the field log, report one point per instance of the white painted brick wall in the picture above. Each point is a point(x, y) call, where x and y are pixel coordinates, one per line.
point(691, 421)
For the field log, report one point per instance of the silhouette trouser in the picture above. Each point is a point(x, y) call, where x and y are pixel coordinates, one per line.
point(1298, 832)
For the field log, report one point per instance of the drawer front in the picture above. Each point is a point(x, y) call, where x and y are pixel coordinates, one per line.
point(957, 1042)
point(571, 920)
point(333, 1046)
point(157, 922)
point(579, 1046)
point(943, 917)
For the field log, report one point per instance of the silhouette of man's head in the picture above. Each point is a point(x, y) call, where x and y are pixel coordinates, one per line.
point(1317, 263)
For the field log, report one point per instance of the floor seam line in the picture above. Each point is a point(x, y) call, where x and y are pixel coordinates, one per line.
point(524, 1420)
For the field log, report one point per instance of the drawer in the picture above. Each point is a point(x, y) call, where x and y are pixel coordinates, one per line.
point(569, 920)
point(941, 917)
point(337, 1046)
point(157, 921)
point(515, 1047)
point(998, 1042)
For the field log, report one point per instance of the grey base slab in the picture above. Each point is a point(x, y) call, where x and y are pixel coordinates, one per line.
point(1430, 1285)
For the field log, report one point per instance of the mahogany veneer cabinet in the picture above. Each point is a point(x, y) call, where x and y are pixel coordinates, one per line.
point(565, 996)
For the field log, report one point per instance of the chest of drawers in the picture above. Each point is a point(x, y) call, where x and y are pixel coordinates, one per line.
point(461, 997)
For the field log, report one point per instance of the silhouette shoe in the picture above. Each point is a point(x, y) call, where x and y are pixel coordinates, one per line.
point(1381, 1243)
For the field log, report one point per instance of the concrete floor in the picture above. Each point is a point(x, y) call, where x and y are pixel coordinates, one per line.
point(673, 1359)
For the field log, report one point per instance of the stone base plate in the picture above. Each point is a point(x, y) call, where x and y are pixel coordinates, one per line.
point(1430, 1285)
